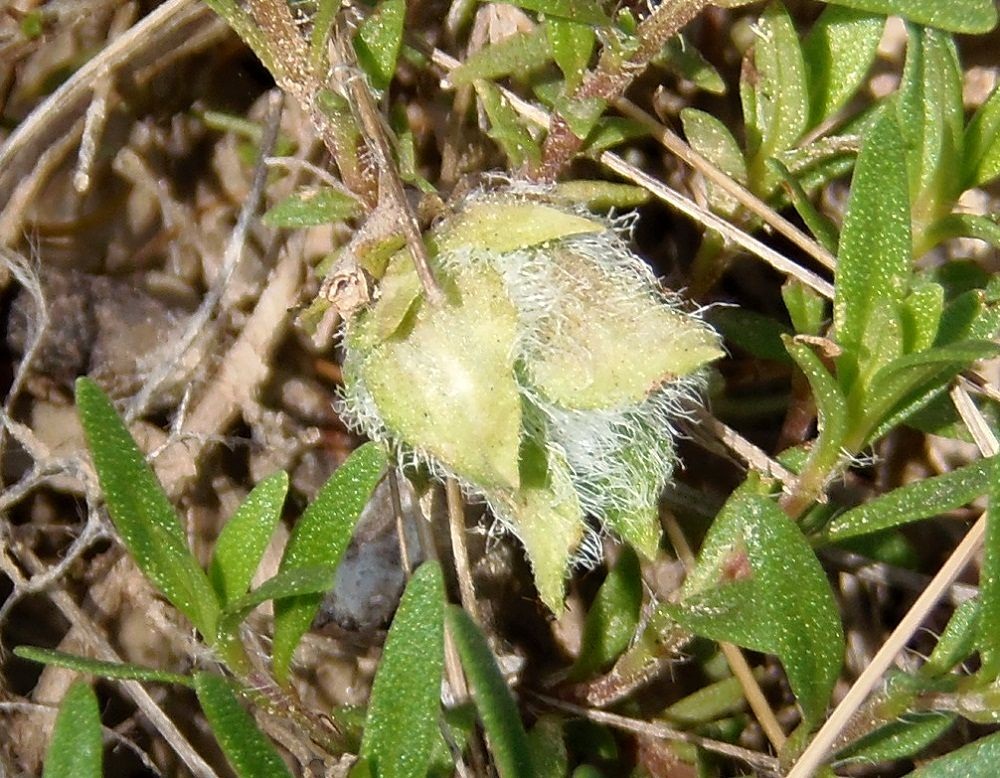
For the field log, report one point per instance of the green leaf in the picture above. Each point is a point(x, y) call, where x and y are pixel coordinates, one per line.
point(118, 670)
point(956, 643)
point(713, 140)
point(931, 119)
point(301, 581)
point(244, 538)
point(831, 405)
point(516, 55)
point(806, 308)
point(781, 101)
point(978, 759)
point(76, 750)
point(612, 619)
point(378, 41)
point(722, 698)
point(682, 58)
point(820, 225)
point(838, 53)
point(989, 582)
point(921, 316)
point(548, 749)
point(909, 382)
point(572, 44)
point(755, 333)
point(402, 724)
point(759, 585)
point(964, 225)
point(319, 539)
point(583, 11)
point(913, 502)
point(981, 161)
point(972, 16)
point(141, 512)
point(899, 739)
point(497, 709)
point(312, 206)
point(611, 131)
point(873, 268)
point(506, 126)
point(247, 750)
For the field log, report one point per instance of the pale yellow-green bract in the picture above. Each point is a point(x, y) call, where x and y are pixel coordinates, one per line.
point(547, 381)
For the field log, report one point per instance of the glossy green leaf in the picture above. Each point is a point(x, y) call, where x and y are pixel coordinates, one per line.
point(141, 512)
point(713, 140)
point(920, 316)
point(76, 749)
point(909, 381)
point(957, 641)
point(402, 723)
point(249, 753)
point(549, 758)
point(973, 16)
point(378, 41)
point(824, 230)
point(978, 759)
point(516, 55)
point(584, 11)
point(899, 739)
point(873, 267)
point(612, 618)
point(759, 585)
point(915, 501)
point(831, 405)
point(319, 539)
point(806, 308)
point(311, 207)
point(931, 119)
point(981, 161)
point(297, 582)
point(245, 537)
point(755, 333)
point(989, 581)
point(572, 44)
point(682, 58)
point(722, 698)
point(506, 126)
point(838, 52)
point(781, 100)
point(497, 709)
point(82, 664)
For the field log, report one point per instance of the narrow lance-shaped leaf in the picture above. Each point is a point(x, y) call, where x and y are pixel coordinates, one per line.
point(82, 664)
point(496, 706)
point(319, 539)
point(247, 750)
point(759, 585)
point(585, 11)
point(75, 750)
point(312, 207)
point(612, 619)
point(874, 263)
point(517, 54)
point(981, 161)
point(141, 512)
point(913, 502)
point(245, 536)
point(378, 41)
point(402, 724)
point(972, 16)
point(838, 52)
point(978, 759)
point(989, 582)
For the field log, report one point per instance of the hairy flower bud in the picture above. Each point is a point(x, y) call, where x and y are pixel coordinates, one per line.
point(547, 380)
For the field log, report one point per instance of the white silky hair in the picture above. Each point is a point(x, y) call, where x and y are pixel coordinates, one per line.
point(594, 444)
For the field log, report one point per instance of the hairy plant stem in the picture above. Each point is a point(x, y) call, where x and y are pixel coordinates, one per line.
point(614, 72)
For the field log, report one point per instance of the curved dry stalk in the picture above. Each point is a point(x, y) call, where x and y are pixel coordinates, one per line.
point(767, 765)
point(818, 749)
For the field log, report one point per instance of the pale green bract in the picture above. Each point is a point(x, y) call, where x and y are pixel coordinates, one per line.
point(546, 382)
